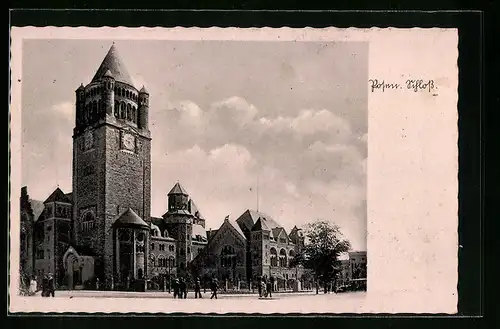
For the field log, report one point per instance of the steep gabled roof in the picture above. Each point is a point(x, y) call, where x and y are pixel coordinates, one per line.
point(113, 63)
point(237, 228)
point(58, 196)
point(194, 210)
point(211, 233)
point(276, 232)
point(130, 219)
point(250, 217)
point(178, 189)
point(260, 225)
point(37, 206)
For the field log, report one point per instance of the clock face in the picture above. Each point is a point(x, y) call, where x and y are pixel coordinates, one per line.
point(129, 142)
point(89, 140)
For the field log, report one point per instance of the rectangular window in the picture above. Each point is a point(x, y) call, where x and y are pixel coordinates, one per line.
point(152, 246)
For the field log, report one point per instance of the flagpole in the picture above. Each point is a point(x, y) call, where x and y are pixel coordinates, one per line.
point(257, 192)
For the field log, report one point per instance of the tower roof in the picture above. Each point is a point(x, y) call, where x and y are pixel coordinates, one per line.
point(114, 64)
point(144, 90)
point(178, 189)
point(108, 74)
point(130, 219)
point(58, 195)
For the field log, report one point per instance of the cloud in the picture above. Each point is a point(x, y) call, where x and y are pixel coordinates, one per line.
point(308, 166)
point(310, 122)
point(66, 109)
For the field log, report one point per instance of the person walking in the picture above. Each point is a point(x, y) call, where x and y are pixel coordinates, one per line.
point(269, 289)
point(263, 285)
point(33, 286)
point(215, 287)
point(51, 286)
point(197, 288)
point(182, 288)
point(176, 287)
point(259, 285)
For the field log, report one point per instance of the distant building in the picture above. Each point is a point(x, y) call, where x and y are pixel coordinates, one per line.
point(357, 264)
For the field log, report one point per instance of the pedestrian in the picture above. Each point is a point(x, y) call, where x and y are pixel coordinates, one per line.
point(176, 288)
point(182, 290)
point(197, 288)
point(259, 285)
point(97, 284)
point(51, 286)
point(215, 287)
point(269, 289)
point(33, 286)
point(263, 287)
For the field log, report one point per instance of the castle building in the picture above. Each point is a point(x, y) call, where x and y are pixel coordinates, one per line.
point(103, 230)
point(252, 246)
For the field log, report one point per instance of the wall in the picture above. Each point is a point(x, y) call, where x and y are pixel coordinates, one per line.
point(154, 253)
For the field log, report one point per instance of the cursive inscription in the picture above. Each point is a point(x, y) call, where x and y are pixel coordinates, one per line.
point(414, 85)
point(381, 85)
point(418, 85)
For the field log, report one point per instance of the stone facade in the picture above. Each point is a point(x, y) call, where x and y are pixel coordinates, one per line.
point(53, 236)
point(251, 247)
point(358, 265)
point(111, 159)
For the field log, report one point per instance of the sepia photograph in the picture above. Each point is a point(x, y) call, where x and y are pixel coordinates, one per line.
point(193, 168)
point(226, 169)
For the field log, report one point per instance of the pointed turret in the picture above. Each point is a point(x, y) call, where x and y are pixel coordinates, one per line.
point(178, 189)
point(113, 63)
point(143, 108)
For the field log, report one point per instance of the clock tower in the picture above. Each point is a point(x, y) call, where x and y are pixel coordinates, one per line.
point(111, 160)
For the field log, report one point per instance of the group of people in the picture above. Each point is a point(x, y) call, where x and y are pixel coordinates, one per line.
point(180, 288)
point(48, 287)
point(266, 287)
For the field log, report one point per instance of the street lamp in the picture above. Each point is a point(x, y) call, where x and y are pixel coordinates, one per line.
point(169, 274)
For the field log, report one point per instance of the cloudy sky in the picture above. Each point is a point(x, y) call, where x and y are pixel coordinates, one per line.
point(225, 116)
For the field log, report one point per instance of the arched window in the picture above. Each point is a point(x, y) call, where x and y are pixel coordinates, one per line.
point(282, 259)
point(165, 234)
point(274, 257)
point(228, 257)
point(171, 262)
point(291, 253)
point(88, 222)
point(153, 260)
point(122, 110)
point(134, 114)
point(117, 109)
point(129, 112)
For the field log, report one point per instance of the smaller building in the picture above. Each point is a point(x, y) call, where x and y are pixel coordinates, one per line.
point(357, 264)
point(162, 252)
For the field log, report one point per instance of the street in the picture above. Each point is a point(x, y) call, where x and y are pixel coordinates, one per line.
point(163, 302)
point(165, 295)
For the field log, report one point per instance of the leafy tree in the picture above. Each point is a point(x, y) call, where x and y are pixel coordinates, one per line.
point(323, 245)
